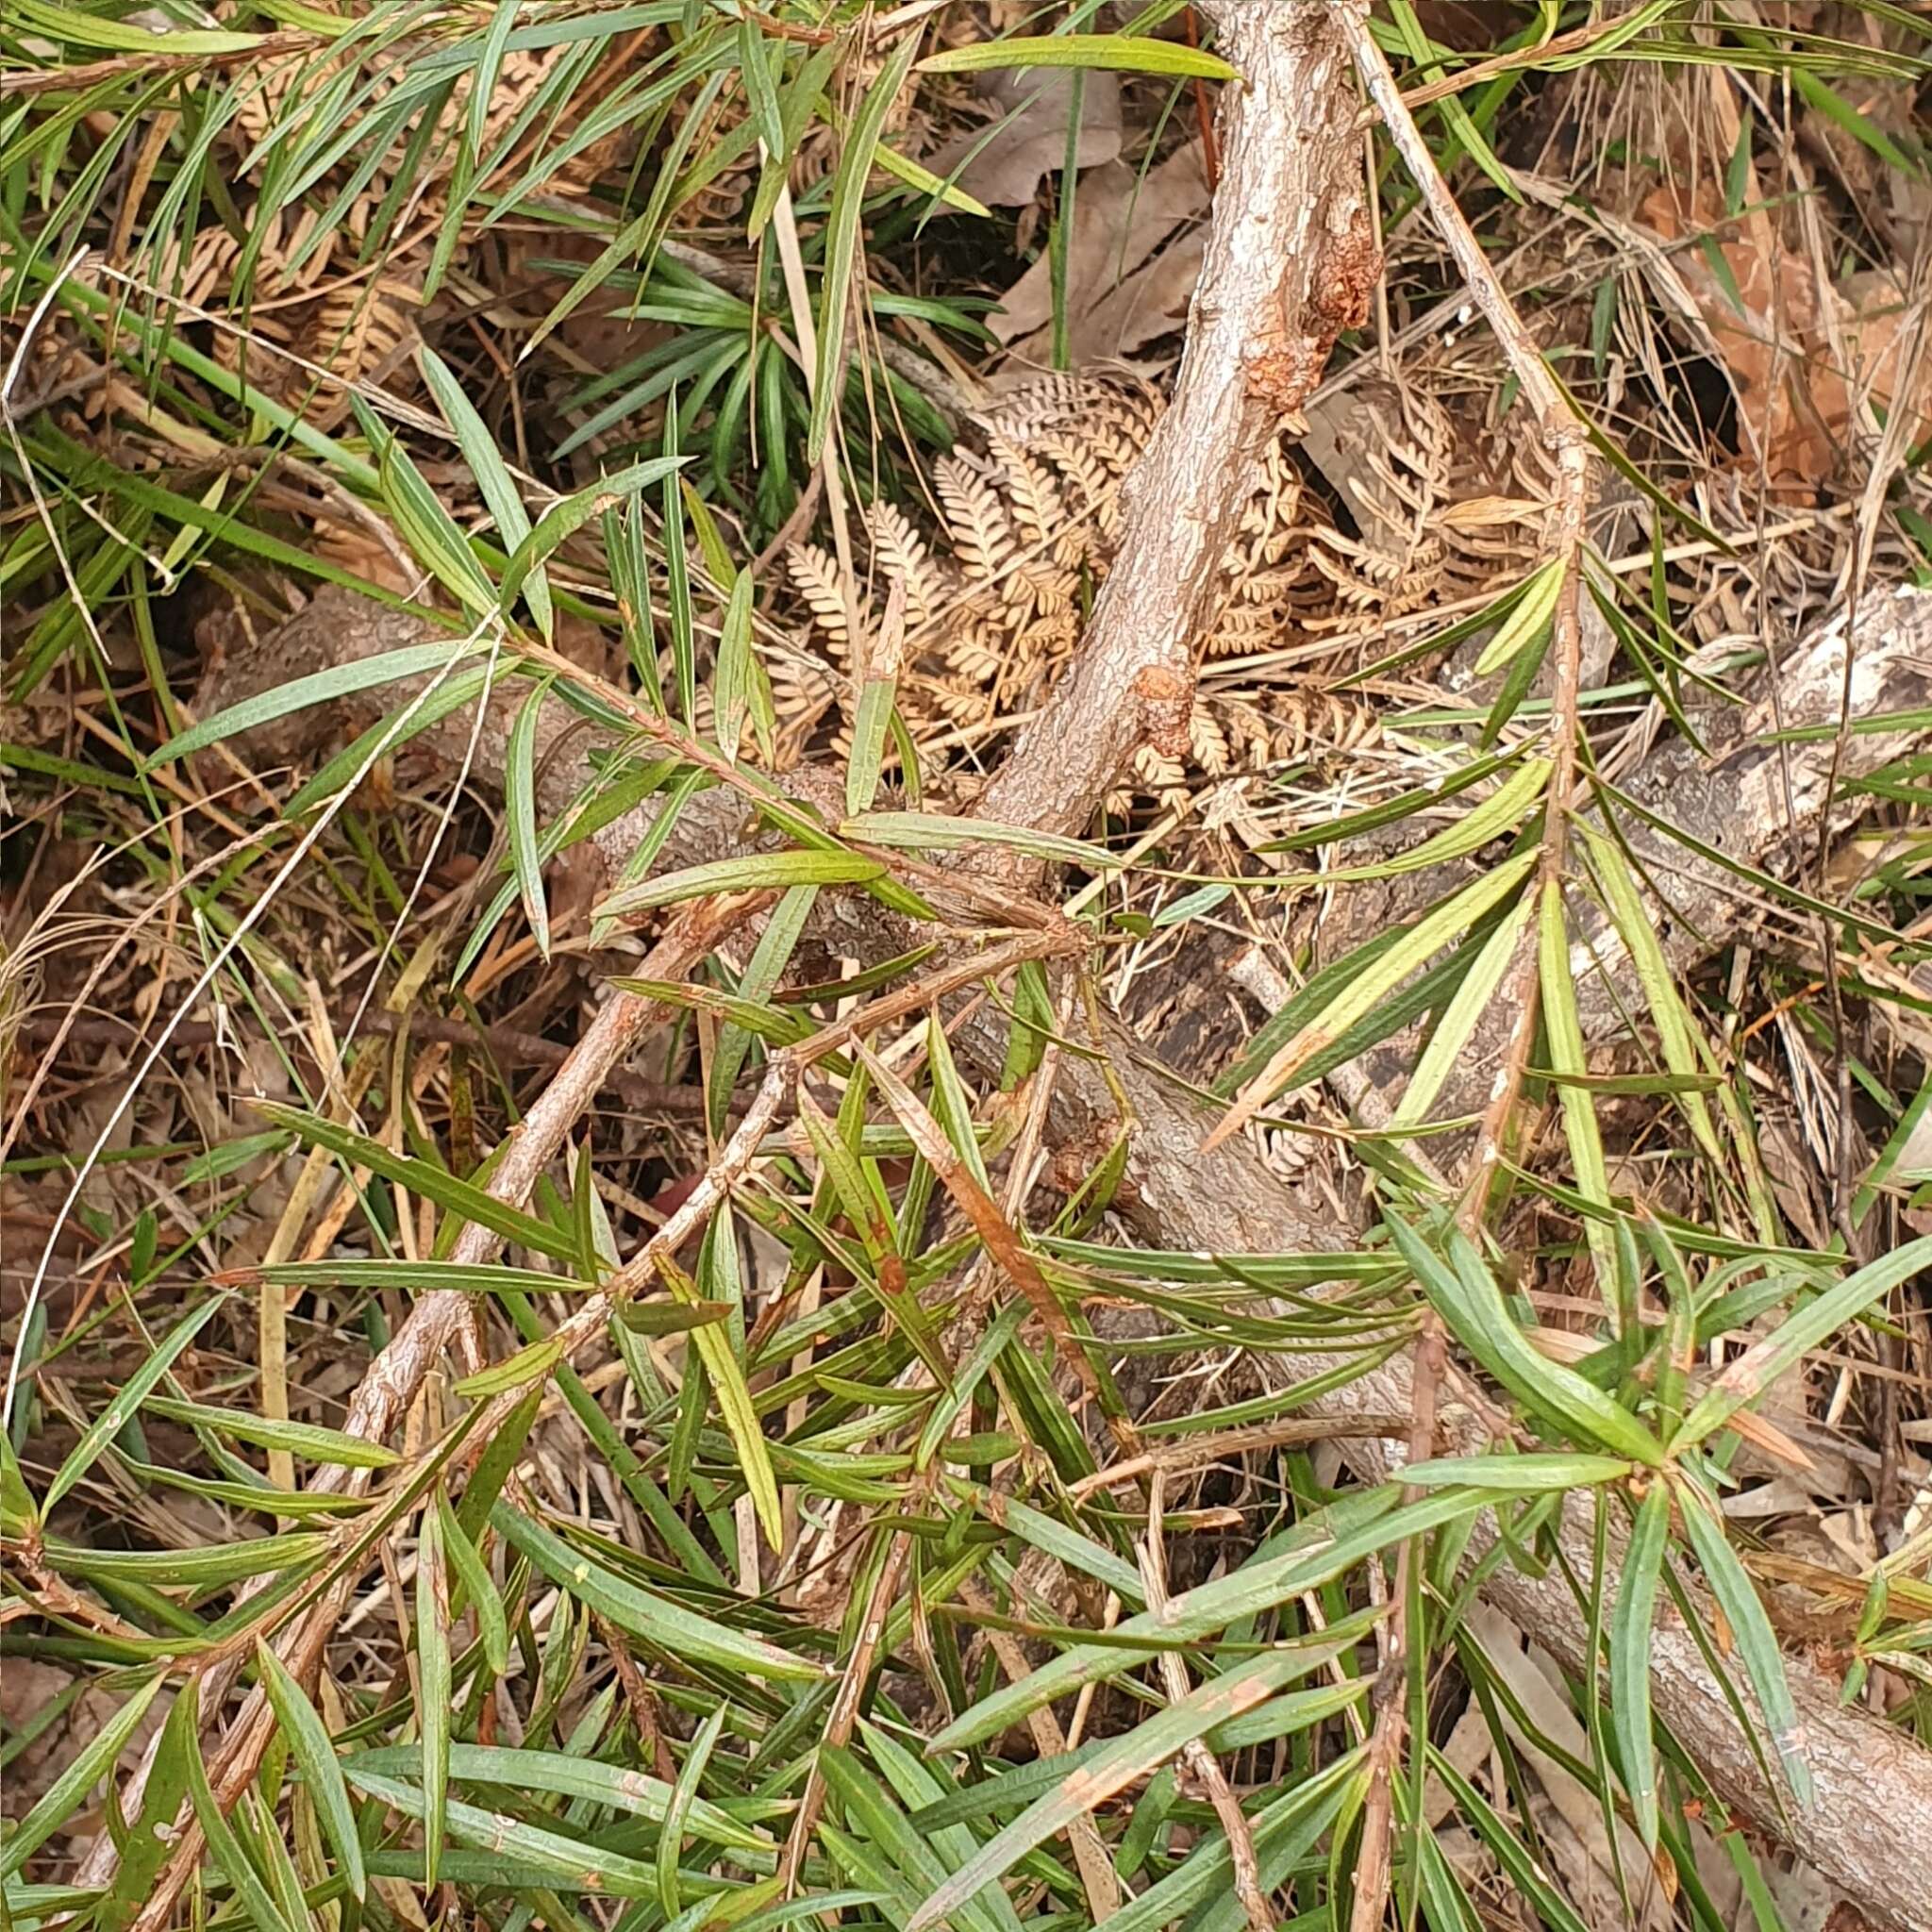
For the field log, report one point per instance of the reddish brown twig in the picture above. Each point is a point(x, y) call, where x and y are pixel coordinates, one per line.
point(1203, 114)
point(395, 1377)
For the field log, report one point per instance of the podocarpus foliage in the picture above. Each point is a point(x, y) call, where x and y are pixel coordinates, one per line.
point(835, 1495)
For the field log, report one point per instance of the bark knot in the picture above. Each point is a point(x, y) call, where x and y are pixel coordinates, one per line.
point(1166, 697)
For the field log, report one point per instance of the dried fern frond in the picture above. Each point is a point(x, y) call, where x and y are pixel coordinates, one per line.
point(978, 524)
point(901, 556)
point(993, 595)
point(815, 576)
point(1308, 721)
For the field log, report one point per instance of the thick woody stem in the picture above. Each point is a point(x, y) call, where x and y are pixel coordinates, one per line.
point(1291, 261)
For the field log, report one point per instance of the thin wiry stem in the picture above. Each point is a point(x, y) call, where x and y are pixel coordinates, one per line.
point(1565, 439)
point(1568, 444)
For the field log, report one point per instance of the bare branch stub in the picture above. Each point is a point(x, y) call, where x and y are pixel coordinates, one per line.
point(1290, 263)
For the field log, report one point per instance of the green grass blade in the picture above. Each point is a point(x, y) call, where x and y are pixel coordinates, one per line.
point(309, 1741)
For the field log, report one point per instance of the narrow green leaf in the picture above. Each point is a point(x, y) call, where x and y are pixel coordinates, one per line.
point(565, 519)
point(1122, 53)
point(150, 1837)
point(1506, 1839)
point(871, 725)
point(578, 1865)
point(762, 976)
point(1466, 1006)
point(67, 1795)
point(731, 692)
point(80, 28)
point(1525, 1476)
point(432, 1687)
point(726, 1374)
point(1053, 1538)
point(1738, 1598)
point(671, 1838)
point(1444, 922)
point(938, 831)
point(1635, 927)
point(432, 533)
point(1110, 1770)
point(1500, 813)
point(755, 71)
point(615, 1786)
point(1532, 610)
point(520, 807)
point(403, 1277)
point(475, 1588)
point(493, 479)
point(224, 1847)
point(841, 241)
point(656, 1619)
point(311, 1441)
point(755, 871)
point(1375, 1522)
point(304, 693)
point(1468, 1299)
point(1760, 1366)
point(203, 1566)
point(1283, 1830)
point(426, 1178)
point(1630, 1632)
point(526, 1365)
point(1563, 1029)
point(125, 1401)
point(309, 1741)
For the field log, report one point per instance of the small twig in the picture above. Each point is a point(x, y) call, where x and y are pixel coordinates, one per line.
point(1202, 1450)
point(844, 1711)
point(1203, 114)
point(1390, 1696)
point(1565, 439)
point(1198, 1758)
point(1524, 59)
point(641, 1699)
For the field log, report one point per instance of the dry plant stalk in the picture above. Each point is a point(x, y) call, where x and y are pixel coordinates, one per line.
point(1568, 447)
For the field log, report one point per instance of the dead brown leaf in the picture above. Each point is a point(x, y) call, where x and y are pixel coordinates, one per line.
point(1002, 164)
point(1129, 271)
point(1798, 400)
